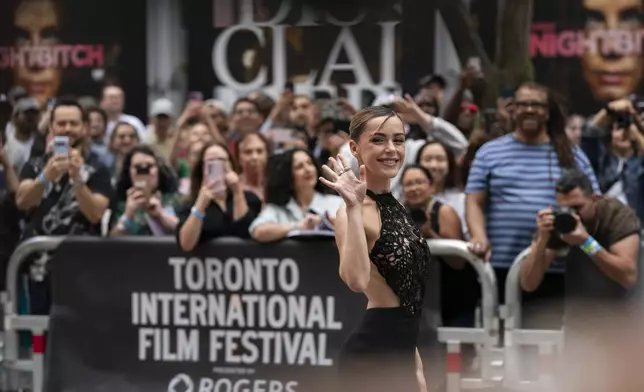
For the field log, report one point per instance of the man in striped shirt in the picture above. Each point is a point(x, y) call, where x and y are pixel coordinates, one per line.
point(514, 176)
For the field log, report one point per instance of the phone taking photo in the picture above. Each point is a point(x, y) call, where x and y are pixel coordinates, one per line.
point(215, 172)
point(195, 96)
point(475, 63)
point(282, 135)
point(342, 92)
point(61, 145)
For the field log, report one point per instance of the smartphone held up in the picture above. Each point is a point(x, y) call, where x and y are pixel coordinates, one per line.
point(215, 172)
point(474, 63)
point(195, 96)
point(61, 145)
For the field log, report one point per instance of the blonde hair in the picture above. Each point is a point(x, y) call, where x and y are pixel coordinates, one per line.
point(360, 119)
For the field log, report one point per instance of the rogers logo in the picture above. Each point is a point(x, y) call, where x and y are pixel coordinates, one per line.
point(181, 383)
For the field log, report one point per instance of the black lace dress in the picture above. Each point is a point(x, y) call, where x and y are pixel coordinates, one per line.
point(380, 354)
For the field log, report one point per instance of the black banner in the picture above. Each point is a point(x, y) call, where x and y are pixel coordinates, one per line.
point(140, 315)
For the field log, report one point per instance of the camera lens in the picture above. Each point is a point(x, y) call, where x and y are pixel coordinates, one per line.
point(142, 169)
point(564, 222)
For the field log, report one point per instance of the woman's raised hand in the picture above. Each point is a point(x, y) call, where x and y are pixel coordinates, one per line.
point(342, 180)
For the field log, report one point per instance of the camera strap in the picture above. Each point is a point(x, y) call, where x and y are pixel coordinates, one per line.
point(434, 208)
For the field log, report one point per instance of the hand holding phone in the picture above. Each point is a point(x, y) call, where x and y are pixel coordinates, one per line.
point(281, 135)
point(136, 199)
point(61, 145)
point(326, 224)
point(58, 165)
point(195, 96)
point(214, 173)
point(474, 63)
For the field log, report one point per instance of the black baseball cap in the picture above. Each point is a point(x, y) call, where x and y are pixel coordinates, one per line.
point(337, 125)
point(428, 80)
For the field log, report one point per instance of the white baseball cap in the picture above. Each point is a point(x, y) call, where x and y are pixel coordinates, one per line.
point(162, 106)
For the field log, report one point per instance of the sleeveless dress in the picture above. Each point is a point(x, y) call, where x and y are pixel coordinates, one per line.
point(380, 354)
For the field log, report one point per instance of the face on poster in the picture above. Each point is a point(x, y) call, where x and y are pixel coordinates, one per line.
point(58, 47)
point(598, 42)
point(613, 69)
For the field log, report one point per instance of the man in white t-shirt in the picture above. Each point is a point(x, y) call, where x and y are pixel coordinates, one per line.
point(113, 102)
point(160, 132)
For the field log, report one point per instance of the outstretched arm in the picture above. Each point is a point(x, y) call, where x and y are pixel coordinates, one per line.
point(355, 267)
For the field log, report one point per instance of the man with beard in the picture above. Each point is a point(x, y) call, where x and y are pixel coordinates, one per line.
point(64, 193)
point(513, 177)
point(601, 246)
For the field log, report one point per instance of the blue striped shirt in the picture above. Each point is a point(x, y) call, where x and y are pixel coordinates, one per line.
point(520, 180)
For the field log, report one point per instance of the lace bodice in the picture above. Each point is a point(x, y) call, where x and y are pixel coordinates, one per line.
point(400, 254)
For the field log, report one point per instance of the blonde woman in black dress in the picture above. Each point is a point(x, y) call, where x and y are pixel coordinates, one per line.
point(383, 255)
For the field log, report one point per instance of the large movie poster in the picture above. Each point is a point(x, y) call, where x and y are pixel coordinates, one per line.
point(236, 47)
point(589, 50)
point(61, 47)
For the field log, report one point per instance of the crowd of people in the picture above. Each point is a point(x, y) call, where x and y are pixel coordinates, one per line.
point(253, 171)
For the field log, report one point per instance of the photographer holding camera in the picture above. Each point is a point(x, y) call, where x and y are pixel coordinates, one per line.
point(600, 238)
point(614, 144)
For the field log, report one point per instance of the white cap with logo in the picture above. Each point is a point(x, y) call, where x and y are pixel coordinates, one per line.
point(162, 106)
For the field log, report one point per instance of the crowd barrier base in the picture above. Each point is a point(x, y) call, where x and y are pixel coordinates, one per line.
point(549, 343)
point(14, 367)
point(490, 357)
point(485, 337)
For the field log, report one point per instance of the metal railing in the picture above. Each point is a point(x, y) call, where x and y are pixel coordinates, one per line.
point(500, 365)
point(486, 337)
point(548, 342)
point(13, 322)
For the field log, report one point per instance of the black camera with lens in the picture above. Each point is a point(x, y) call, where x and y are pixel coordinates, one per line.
point(142, 169)
point(565, 221)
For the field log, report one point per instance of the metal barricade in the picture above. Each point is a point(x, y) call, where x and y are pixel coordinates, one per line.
point(486, 337)
point(14, 322)
point(548, 342)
